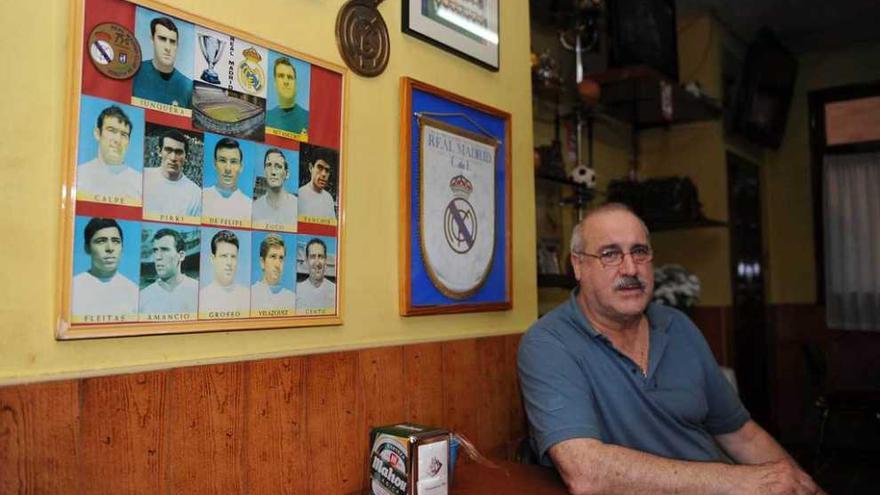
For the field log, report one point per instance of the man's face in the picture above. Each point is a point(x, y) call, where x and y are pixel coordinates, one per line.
point(273, 265)
point(113, 137)
point(612, 291)
point(105, 249)
point(275, 169)
point(317, 259)
point(320, 173)
point(167, 257)
point(225, 262)
point(164, 48)
point(227, 161)
point(285, 82)
point(172, 155)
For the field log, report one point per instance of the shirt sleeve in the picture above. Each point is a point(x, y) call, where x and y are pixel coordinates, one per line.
point(726, 411)
point(557, 396)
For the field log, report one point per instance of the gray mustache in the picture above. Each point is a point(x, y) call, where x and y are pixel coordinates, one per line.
point(628, 282)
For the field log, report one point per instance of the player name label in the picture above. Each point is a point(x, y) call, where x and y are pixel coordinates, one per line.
point(161, 107)
point(227, 222)
point(168, 317)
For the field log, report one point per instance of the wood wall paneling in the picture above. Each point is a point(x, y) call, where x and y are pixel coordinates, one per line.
point(382, 379)
point(516, 413)
point(492, 415)
point(291, 425)
point(423, 380)
point(122, 420)
point(275, 458)
point(335, 424)
point(461, 391)
point(205, 429)
point(39, 428)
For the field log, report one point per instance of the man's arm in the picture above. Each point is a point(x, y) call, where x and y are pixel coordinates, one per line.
point(590, 467)
point(752, 445)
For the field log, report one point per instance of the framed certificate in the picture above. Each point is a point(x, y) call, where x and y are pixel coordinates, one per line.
point(456, 195)
point(466, 28)
point(203, 178)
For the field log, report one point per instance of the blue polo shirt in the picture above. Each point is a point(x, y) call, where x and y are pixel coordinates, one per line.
point(575, 384)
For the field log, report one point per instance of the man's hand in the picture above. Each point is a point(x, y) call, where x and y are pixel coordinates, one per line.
point(774, 478)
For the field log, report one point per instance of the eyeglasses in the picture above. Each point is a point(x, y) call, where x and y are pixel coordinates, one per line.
point(614, 257)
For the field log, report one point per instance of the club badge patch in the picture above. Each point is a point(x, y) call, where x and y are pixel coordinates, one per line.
point(114, 51)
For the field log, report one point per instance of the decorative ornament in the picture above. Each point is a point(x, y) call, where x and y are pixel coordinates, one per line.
point(362, 37)
point(675, 286)
point(114, 50)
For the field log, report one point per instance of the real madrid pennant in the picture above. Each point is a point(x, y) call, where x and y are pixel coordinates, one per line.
point(457, 214)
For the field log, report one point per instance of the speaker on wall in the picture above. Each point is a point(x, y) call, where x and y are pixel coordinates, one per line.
point(643, 32)
point(763, 96)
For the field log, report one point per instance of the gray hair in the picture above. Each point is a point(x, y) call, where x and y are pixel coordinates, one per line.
point(577, 233)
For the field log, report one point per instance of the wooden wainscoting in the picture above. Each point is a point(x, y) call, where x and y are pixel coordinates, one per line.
point(293, 425)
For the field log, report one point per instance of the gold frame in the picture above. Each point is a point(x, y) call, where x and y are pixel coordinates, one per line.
point(63, 328)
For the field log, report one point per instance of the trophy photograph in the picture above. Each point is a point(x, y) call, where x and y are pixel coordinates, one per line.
point(211, 48)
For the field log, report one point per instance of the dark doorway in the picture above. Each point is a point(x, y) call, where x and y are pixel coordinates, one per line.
point(750, 337)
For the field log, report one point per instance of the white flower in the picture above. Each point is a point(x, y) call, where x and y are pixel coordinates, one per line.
point(675, 286)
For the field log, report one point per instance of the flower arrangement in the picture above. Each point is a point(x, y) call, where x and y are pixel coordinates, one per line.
point(675, 286)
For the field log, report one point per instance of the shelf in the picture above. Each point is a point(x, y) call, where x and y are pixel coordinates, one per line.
point(633, 95)
point(558, 180)
point(557, 281)
point(660, 226)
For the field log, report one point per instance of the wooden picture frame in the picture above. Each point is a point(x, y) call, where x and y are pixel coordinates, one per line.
point(455, 187)
point(201, 191)
point(467, 29)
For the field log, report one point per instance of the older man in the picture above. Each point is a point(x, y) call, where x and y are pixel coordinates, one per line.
point(624, 396)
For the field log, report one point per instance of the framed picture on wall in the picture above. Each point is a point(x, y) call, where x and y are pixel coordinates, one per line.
point(464, 27)
point(203, 178)
point(456, 195)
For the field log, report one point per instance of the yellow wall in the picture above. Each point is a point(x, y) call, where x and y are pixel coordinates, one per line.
point(787, 176)
point(34, 35)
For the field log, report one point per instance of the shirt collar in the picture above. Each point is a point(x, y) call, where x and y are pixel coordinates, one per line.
point(579, 316)
point(658, 318)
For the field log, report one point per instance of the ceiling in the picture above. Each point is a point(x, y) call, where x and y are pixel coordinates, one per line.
point(801, 25)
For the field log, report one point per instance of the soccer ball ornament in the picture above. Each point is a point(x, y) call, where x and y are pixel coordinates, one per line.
point(583, 175)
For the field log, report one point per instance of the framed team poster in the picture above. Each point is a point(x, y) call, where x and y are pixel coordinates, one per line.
point(467, 28)
point(456, 218)
point(203, 178)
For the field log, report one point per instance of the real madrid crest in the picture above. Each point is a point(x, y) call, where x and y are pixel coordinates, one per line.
point(250, 75)
point(362, 37)
point(460, 218)
point(114, 50)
